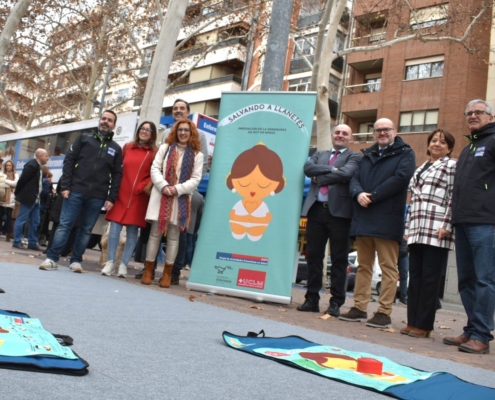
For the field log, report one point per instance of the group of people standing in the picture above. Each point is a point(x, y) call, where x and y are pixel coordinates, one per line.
point(364, 197)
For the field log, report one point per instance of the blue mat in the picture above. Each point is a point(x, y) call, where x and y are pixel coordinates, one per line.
point(396, 380)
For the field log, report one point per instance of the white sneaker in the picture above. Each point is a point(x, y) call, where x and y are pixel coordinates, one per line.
point(187, 268)
point(108, 268)
point(122, 270)
point(76, 267)
point(49, 265)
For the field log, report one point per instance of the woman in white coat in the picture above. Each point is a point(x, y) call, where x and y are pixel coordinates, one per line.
point(176, 173)
point(8, 203)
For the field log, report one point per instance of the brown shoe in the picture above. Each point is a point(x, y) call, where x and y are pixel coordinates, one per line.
point(456, 341)
point(149, 272)
point(475, 347)
point(167, 276)
point(406, 330)
point(419, 333)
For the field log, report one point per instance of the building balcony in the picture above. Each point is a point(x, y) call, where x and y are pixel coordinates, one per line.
point(362, 88)
point(204, 90)
point(298, 65)
point(368, 40)
point(234, 49)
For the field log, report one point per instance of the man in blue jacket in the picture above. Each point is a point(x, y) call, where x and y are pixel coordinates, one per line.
point(473, 216)
point(379, 189)
point(91, 179)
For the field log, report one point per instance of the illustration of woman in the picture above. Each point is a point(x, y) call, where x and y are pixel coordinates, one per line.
point(256, 174)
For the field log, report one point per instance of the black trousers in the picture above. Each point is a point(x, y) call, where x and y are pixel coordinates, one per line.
point(321, 227)
point(425, 272)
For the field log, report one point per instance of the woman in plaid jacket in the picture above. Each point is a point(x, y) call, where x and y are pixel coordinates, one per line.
point(429, 232)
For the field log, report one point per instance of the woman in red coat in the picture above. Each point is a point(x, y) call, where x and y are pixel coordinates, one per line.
point(130, 207)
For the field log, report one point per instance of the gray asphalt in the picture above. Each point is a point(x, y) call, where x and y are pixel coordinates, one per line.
point(147, 344)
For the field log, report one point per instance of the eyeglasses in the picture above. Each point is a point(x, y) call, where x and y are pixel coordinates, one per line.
point(476, 112)
point(384, 130)
point(183, 130)
point(145, 130)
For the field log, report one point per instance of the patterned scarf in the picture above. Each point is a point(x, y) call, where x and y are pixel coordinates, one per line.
point(184, 202)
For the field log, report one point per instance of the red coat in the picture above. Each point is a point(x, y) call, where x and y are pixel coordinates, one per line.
point(131, 204)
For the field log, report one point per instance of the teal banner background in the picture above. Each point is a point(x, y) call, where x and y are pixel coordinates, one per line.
point(258, 263)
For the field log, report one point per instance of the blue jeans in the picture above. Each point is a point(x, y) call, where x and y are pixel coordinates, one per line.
point(114, 238)
point(475, 253)
point(403, 266)
point(77, 205)
point(191, 244)
point(31, 214)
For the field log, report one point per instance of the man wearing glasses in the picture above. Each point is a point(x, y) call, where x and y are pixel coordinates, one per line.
point(379, 188)
point(473, 215)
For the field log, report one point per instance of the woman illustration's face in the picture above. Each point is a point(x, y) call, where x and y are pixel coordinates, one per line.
point(145, 133)
point(438, 146)
point(183, 133)
point(254, 185)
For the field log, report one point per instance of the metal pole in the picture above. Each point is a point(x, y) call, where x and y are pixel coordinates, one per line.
point(276, 47)
point(102, 99)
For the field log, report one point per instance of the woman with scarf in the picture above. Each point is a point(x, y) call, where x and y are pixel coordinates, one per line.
point(176, 173)
point(130, 207)
point(8, 204)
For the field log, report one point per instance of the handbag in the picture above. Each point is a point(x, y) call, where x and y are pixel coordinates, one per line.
point(147, 189)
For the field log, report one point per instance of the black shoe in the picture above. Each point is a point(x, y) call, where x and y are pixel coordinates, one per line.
point(439, 305)
point(35, 247)
point(2, 291)
point(403, 301)
point(333, 310)
point(19, 246)
point(379, 320)
point(354, 315)
point(309, 306)
point(139, 275)
point(174, 280)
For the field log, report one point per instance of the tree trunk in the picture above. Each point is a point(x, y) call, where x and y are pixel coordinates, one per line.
point(157, 80)
point(322, 109)
point(13, 20)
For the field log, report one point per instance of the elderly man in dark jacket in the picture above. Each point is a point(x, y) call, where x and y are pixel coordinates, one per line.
point(27, 192)
point(379, 189)
point(473, 216)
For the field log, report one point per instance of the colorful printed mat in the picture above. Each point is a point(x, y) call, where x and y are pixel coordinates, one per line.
point(395, 380)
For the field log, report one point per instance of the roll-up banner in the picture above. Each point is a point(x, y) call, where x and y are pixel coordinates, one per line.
point(249, 229)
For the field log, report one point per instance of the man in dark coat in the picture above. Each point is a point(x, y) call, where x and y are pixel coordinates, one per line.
point(27, 192)
point(90, 180)
point(329, 210)
point(473, 216)
point(379, 189)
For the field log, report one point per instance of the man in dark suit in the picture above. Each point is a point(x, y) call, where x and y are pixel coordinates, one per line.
point(328, 207)
point(27, 192)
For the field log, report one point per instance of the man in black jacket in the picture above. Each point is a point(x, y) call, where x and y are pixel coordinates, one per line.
point(27, 192)
point(379, 189)
point(91, 179)
point(473, 216)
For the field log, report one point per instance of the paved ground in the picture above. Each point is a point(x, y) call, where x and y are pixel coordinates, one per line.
point(449, 321)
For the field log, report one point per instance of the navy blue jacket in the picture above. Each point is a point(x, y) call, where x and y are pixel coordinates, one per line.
point(473, 198)
point(93, 167)
point(387, 179)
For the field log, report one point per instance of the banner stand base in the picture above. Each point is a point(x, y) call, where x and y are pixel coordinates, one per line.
point(238, 293)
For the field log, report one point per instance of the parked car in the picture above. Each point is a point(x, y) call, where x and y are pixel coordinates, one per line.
point(302, 271)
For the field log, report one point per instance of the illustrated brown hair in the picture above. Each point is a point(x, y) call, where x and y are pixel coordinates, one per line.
point(267, 160)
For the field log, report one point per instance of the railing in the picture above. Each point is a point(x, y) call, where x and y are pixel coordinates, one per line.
point(362, 88)
point(365, 137)
point(369, 39)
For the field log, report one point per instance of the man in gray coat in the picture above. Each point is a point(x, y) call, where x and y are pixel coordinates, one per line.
point(328, 207)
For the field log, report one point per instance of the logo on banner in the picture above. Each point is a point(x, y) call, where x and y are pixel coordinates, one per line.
point(221, 270)
point(251, 279)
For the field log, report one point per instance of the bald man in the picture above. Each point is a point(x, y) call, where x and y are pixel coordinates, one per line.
point(328, 207)
point(27, 192)
point(379, 189)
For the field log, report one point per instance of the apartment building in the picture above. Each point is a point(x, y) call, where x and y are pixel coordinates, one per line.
point(418, 85)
